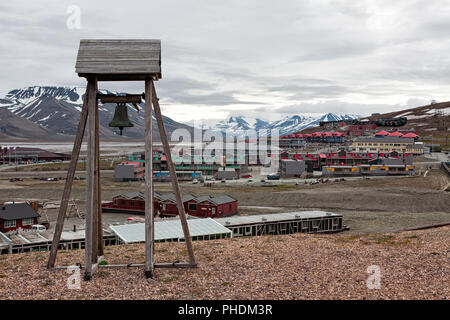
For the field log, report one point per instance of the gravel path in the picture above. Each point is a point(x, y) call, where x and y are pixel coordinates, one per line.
point(414, 265)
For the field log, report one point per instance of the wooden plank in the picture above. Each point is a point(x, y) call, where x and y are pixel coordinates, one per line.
point(119, 56)
point(110, 98)
point(100, 245)
point(69, 181)
point(122, 76)
point(149, 237)
point(90, 172)
point(173, 176)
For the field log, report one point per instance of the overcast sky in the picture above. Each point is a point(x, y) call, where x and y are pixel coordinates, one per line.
point(259, 58)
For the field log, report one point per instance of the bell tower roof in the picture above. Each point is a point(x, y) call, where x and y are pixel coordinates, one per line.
point(119, 60)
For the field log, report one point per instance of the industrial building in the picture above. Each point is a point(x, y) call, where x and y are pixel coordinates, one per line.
point(226, 174)
point(129, 171)
point(170, 231)
point(368, 170)
point(292, 168)
point(30, 155)
point(283, 223)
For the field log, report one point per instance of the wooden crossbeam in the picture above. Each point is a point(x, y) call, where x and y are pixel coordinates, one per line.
point(112, 98)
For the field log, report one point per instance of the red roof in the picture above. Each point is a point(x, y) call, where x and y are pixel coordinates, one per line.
point(299, 135)
point(410, 135)
point(326, 134)
point(337, 134)
point(382, 133)
point(292, 136)
point(395, 134)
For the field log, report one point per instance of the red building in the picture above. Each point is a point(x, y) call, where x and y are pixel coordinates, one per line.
point(212, 207)
point(17, 216)
point(165, 205)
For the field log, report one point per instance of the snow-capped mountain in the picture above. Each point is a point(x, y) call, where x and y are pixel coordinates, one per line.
point(289, 124)
point(240, 123)
point(57, 109)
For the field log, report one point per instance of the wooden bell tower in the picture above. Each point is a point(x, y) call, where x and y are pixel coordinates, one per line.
point(117, 60)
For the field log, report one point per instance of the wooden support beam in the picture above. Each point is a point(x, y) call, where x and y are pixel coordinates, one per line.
point(100, 245)
point(69, 181)
point(149, 237)
point(112, 98)
point(167, 265)
point(90, 172)
point(173, 175)
point(95, 213)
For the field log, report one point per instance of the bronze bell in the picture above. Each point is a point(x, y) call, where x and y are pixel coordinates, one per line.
point(120, 119)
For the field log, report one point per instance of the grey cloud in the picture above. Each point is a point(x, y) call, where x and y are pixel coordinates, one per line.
point(302, 55)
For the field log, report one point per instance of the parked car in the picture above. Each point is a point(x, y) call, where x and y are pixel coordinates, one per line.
point(38, 228)
point(195, 181)
point(273, 177)
point(246, 176)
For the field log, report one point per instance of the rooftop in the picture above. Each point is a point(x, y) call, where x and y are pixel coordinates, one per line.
point(15, 211)
point(385, 139)
point(274, 217)
point(114, 59)
point(169, 230)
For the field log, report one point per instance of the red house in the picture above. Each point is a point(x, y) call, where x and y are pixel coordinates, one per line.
point(17, 215)
point(131, 202)
point(165, 205)
point(212, 207)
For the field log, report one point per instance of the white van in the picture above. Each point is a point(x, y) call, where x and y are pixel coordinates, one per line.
point(38, 228)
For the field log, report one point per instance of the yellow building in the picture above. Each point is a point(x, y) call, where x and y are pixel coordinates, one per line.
point(382, 144)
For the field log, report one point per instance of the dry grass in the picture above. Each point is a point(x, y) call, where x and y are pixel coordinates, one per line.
point(414, 265)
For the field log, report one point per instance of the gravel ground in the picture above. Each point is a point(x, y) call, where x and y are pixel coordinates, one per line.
point(414, 265)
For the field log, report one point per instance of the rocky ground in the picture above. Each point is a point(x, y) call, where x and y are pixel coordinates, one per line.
point(412, 265)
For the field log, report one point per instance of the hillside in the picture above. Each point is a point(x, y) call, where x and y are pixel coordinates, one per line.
point(57, 109)
point(414, 265)
point(13, 127)
point(430, 121)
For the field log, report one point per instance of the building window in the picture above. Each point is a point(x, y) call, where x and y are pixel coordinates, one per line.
point(192, 206)
point(9, 224)
point(27, 221)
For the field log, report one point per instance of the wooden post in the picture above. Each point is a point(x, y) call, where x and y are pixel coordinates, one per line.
point(173, 175)
point(90, 172)
point(99, 194)
point(99, 189)
point(69, 181)
point(96, 183)
point(149, 237)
